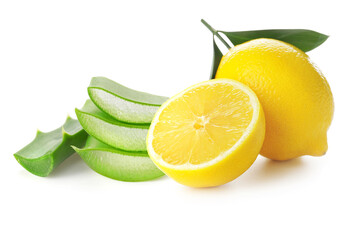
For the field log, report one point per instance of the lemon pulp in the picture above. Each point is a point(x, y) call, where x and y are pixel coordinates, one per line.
point(202, 124)
point(207, 135)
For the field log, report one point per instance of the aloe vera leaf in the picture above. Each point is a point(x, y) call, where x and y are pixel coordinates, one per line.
point(123, 103)
point(106, 129)
point(118, 164)
point(50, 149)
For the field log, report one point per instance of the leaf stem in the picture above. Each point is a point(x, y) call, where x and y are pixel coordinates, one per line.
point(215, 33)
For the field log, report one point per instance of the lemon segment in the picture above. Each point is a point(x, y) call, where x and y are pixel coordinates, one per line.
point(208, 134)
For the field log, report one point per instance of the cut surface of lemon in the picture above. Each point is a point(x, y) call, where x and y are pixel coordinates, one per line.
point(208, 134)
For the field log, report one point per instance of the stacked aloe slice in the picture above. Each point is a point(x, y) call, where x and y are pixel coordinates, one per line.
point(117, 119)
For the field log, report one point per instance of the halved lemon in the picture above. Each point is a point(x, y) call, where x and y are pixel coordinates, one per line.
point(208, 134)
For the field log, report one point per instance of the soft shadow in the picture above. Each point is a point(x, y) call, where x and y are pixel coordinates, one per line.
point(72, 166)
point(267, 171)
point(263, 172)
point(208, 190)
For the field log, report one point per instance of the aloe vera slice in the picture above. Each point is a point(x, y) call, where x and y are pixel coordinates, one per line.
point(50, 149)
point(118, 164)
point(110, 131)
point(122, 103)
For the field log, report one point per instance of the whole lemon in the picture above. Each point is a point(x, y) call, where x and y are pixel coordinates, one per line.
point(296, 98)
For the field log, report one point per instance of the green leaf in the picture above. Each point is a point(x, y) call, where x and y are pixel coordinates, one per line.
point(118, 164)
point(122, 103)
point(217, 55)
point(305, 40)
point(50, 149)
point(121, 135)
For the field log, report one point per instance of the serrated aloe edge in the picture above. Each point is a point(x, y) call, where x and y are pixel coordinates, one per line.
point(117, 164)
point(121, 135)
point(122, 103)
point(48, 150)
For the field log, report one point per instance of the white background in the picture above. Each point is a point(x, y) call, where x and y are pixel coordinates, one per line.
point(49, 50)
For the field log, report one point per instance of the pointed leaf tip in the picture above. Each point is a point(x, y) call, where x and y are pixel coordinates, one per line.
point(68, 118)
point(39, 132)
point(64, 133)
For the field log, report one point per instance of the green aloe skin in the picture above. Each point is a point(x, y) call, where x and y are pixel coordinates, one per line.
point(122, 103)
point(121, 135)
point(50, 149)
point(118, 164)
